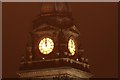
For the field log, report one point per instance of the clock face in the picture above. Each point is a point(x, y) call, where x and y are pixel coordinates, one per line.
point(46, 45)
point(71, 46)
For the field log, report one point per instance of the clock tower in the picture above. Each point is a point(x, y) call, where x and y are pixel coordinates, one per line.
point(54, 49)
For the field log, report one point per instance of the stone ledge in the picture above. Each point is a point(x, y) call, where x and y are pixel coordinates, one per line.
point(53, 72)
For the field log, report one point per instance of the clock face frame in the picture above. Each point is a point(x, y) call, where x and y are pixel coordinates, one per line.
point(71, 46)
point(46, 45)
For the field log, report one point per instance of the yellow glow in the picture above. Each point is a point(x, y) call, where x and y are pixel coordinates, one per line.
point(46, 45)
point(71, 46)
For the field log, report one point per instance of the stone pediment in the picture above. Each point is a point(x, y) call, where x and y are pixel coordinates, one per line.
point(74, 29)
point(45, 27)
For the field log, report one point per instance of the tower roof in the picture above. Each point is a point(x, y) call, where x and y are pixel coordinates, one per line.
point(55, 14)
point(54, 7)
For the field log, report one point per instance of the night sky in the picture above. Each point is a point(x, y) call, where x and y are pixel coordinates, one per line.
point(97, 23)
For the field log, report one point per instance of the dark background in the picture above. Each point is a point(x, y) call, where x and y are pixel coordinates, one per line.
point(97, 23)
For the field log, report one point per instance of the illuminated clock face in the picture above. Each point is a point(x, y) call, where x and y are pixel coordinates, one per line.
point(46, 45)
point(71, 46)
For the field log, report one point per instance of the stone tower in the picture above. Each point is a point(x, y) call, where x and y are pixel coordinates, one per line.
point(54, 51)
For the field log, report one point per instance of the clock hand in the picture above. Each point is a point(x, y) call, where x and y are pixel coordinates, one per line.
point(46, 42)
point(71, 44)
